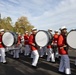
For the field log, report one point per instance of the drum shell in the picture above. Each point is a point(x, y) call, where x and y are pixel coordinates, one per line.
point(50, 36)
point(15, 37)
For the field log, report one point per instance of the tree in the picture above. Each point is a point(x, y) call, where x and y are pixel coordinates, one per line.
point(6, 23)
point(23, 24)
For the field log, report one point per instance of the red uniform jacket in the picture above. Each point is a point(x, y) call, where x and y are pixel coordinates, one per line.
point(26, 39)
point(55, 38)
point(31, 41)
point(19, 39)
point(1, 45)
point(61, 42)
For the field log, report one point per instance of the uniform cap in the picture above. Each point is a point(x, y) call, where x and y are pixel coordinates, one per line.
point(1, 30)
point(63, 27)
point(26, 31)
point(34, 29)
point(56, 31)
point(50, 29)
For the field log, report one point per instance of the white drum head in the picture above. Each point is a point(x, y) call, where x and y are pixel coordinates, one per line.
point(71, 39)
point(41, 38)
point(8, 39)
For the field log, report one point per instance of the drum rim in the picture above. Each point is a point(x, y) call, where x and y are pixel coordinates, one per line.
point(14, 38)
point(2, 39)
point(35, 38)
point(67, 42)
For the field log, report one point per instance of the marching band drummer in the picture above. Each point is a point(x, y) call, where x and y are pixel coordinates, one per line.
point(22, 43)
point(64, 66)
point(17, 48)
point(55, 47)
point(50, 53)
point(19, 38)
point(2, 48)
point(34, 49)
point(12, 52)
point(26, 42)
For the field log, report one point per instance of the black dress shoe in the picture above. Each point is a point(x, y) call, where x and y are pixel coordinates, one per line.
point(53, 62)
point(34, 67)
point(61, 72)
point(17, 58)
point(4, 62)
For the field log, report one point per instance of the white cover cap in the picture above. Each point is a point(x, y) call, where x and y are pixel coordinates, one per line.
point(63, 27)
point(56, 31)
point(50, 29)
point(1, 30)
point(26, 31)
point(34, 29)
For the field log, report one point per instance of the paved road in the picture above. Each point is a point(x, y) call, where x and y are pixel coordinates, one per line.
point(22, 66)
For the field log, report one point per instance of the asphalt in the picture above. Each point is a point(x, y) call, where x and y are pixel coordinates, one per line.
point(22, 66)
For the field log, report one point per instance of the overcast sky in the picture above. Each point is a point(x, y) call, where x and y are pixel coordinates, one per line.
point(43, 14)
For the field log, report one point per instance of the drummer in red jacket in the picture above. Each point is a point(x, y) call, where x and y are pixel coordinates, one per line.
point(50, 53)
point(17, 47)
point(2, 48)
point(55, 47)
point(26, 42)
point(34, 49)
point(64, 66)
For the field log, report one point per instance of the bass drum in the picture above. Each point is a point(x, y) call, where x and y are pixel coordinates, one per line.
point(43, 38)
point(71, 39)
point(9, 39)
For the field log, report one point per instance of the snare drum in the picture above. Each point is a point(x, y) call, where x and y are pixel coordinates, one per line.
point(71, 39)
point(43, 38)
point(9, 39)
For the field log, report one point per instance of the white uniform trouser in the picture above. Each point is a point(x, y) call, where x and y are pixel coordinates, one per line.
point(12, 52)
point(35, 57)
point(45, 50)
point(41, 52)
point(21, 51)
point(2, 51)
point(56, 53)
point(50, 54)
point(16, 53)
point(27, 50)
point(65, 64)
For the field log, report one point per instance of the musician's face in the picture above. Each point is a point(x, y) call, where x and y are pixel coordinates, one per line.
point(34, 32)
point(56, 32)
point(26, 33)
point(2, 33)
point(64, 31)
